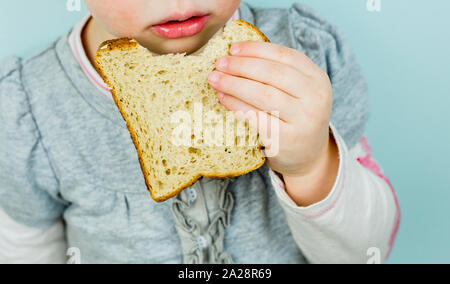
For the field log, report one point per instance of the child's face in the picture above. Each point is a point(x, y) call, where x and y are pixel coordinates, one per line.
point(137, 19)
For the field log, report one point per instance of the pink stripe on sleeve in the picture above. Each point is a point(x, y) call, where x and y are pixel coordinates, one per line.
point(369, 163)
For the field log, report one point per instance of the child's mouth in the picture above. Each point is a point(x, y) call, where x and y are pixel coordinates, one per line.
point(180, 29)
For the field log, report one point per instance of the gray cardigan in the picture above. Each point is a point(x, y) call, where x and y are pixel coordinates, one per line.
point(65, 152)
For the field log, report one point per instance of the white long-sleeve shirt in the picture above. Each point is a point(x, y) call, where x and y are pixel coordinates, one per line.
point(361, 214)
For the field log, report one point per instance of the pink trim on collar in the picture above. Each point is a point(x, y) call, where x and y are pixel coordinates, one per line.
point(80, 55)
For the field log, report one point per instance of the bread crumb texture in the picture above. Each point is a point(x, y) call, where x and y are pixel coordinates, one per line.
point(151, 91)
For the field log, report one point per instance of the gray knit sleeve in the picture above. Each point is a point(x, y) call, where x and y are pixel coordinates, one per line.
point(28, 186)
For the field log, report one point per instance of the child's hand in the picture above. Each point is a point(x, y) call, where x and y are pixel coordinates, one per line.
point(268, 77)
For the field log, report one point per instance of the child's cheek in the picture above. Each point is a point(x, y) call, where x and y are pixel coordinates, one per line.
point(226, 5)
point(118, 17)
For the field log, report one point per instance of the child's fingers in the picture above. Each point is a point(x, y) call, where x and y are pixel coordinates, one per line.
point(268, 72)
point(261, 96)
point(259, 120)
point(276, 53)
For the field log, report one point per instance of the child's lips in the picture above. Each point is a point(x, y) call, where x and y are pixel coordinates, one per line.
point(187, 28)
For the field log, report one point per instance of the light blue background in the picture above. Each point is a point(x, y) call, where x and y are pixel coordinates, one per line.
point(404, 51)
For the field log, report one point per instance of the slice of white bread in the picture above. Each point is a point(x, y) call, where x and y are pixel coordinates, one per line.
point(149, 90)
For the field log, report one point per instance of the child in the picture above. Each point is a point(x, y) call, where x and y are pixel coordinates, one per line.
point(70, 177)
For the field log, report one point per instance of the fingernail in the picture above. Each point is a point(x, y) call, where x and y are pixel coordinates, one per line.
point(221, 64)
point(220, 95)
point(214, 77)
point(235, 49)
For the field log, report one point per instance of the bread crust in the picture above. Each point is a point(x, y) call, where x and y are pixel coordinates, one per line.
point(253, 28)
point(127, 44)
